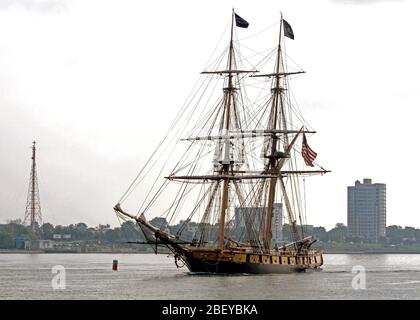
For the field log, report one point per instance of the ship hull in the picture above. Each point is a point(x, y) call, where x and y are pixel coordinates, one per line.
point(230, 260)
point(251, 263)
point(230, 268)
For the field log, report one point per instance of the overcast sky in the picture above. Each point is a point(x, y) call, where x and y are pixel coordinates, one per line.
point(84, 79)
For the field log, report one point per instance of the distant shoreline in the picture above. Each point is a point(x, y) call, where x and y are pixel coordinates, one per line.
point(371, 252)
point(4, 251)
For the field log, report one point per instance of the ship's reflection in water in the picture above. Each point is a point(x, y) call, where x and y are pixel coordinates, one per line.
point(147, 276)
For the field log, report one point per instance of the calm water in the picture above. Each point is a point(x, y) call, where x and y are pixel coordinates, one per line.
point(147, 276)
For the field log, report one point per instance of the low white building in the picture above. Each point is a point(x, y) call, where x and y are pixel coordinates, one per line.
point(41, 244)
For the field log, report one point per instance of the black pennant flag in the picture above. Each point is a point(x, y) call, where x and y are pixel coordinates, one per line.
point(240, 22)
point(288, 32)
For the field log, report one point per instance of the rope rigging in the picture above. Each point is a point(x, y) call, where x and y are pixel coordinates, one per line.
point(245, 103)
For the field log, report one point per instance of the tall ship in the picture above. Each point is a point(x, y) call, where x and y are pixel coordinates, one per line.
point(228, 164)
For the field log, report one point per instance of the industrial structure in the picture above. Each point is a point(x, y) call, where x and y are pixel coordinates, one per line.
point(33, 216)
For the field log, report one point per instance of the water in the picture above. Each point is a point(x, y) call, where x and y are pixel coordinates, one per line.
point(147, 276)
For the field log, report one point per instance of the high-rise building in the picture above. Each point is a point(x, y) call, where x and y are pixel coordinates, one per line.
point(256, 216)
point(366, 211)
point(277, 223)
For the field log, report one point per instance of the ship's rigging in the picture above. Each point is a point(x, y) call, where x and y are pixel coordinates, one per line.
point(231, 152)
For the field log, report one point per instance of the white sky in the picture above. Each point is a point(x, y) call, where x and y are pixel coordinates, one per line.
point(95, 82)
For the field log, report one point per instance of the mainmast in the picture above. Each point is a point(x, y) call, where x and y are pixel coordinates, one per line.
point(277, 159)
point(226, 163)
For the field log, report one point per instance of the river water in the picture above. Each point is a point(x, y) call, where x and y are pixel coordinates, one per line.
point(149, 276)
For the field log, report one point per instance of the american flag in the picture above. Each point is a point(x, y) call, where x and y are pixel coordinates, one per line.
point(307, 153)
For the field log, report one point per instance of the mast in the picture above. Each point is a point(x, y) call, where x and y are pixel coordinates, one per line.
point(226, 160)
point(274, 164)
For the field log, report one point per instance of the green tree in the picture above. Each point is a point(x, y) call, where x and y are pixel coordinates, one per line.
point(47, 230)
point(394, 234)
point(113, 235)
point(417, 235)
point(320, 233)
point(81, 226)
point(6, 241)
point(338, 234)
point(130, 232)
point(159, 222)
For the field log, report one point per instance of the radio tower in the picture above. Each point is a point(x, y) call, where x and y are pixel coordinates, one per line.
point(33, 205)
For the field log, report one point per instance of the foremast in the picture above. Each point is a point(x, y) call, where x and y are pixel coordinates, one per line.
point(226, 168)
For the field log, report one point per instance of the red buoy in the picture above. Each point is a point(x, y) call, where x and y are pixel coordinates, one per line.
point(115, 265)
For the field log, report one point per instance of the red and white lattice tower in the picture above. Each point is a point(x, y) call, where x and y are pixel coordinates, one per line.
point(33, 216)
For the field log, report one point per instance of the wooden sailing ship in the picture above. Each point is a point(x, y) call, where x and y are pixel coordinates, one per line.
point(255, 163)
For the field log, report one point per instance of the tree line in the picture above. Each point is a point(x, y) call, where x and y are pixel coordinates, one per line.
point(104, 234)
point(130, 232)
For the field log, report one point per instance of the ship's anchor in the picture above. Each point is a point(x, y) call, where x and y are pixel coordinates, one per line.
point(178, 258)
